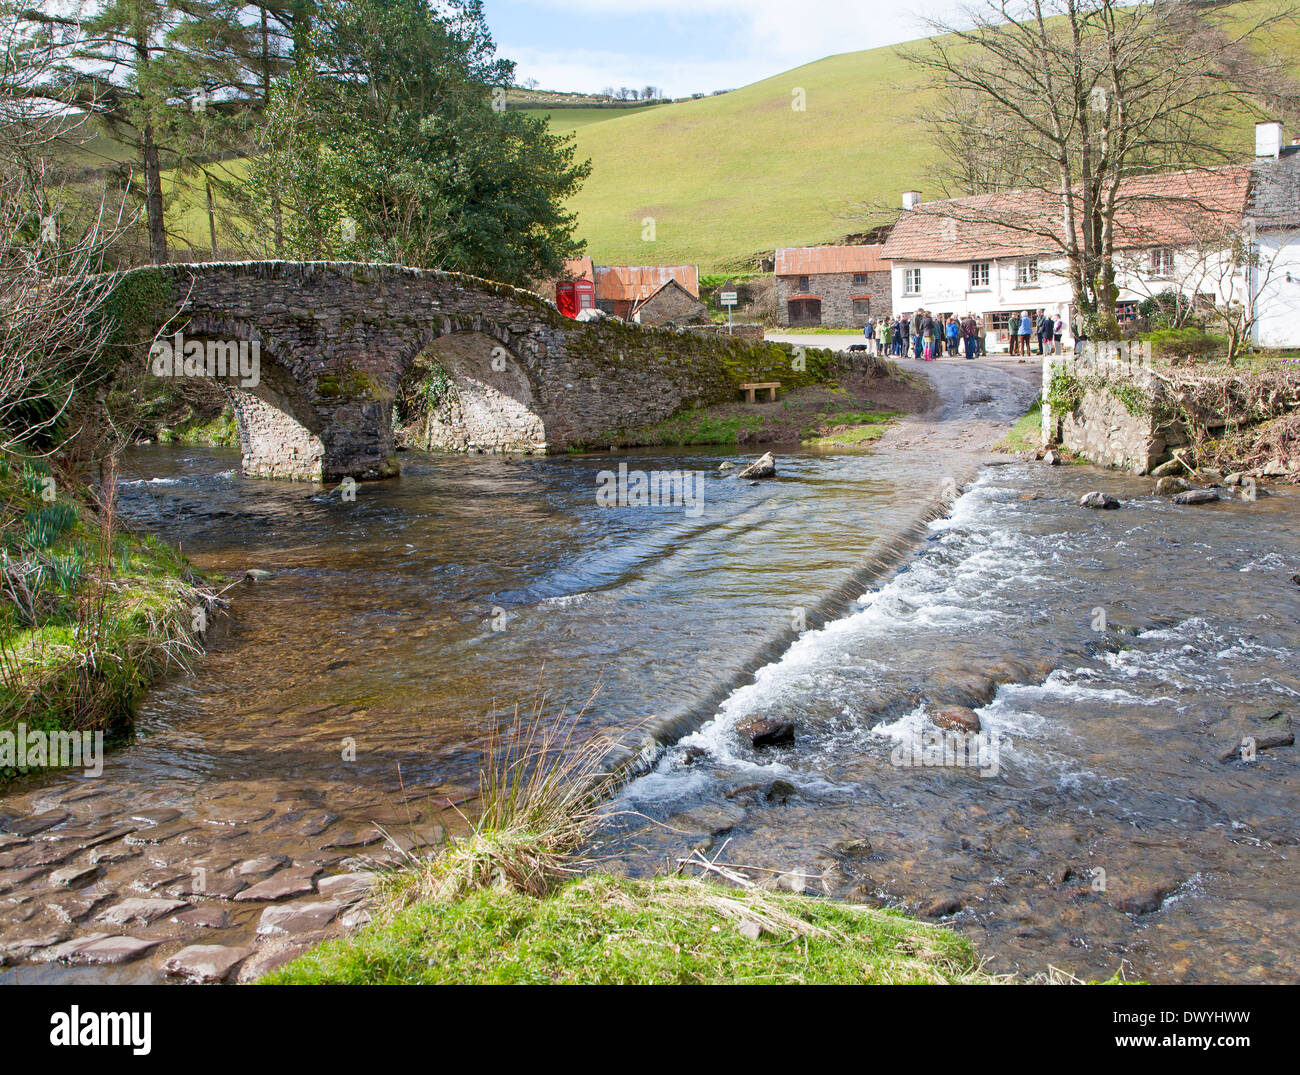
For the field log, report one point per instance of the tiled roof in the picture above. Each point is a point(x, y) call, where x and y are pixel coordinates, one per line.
point(1275, 195)
point(631, 282)
point(825, 260)
point(1154, 210)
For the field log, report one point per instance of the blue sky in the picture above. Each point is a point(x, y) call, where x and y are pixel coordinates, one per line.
point(692, 46)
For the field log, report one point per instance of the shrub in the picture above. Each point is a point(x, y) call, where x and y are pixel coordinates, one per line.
point(1176, 342)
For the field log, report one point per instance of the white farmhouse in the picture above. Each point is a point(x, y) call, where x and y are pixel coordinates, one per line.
point(995, 256)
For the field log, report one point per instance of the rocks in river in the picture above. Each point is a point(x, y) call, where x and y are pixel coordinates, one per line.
point(1099, 500)
point(1165, 470)
point(141, 910)
point(1142, 897)
point(1052, 459)
point(709, 818)
point(767, 731)
point(1169, 486)
point(958, 718)
point(256, 574)
point(726, 465)
point(1250, 743)
point(1197, 496)
point(296, 881)
point(942, 907)
point(208, 963)
point(762, 467)
point(1235, 478)
point(302, 916)
point(1296, 579)
point(780, 791)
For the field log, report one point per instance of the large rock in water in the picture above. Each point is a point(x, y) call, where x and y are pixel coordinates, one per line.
point(1168, 486)
point(763, 467)
point(1098, 500)
point(957, 718)
point(767, 731)
point(1197, 496)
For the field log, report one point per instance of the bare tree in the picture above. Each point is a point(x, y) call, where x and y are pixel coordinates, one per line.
point(1068, 100)
point(52, 287)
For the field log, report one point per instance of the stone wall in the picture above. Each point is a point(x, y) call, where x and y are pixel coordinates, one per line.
point(837, 291)
point(1114, 423)
point(337, 339)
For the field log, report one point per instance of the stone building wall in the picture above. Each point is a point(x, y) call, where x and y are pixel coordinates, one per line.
point(673, 305)
point(837, 291)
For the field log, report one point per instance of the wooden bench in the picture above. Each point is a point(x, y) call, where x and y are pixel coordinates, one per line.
point(769, 386)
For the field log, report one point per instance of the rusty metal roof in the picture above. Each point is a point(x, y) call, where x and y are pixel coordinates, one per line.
point(829, 260)
point(632, 282)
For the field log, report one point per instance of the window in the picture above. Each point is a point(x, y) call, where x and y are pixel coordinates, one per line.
point(586, 300)
point(1162, 262)
point(859, 278)
point(1126, 312)
point(911, 281)
point(1000, 321)
point(979, 275)
point(1027, 272)
point(803, 283)
point(861, 308)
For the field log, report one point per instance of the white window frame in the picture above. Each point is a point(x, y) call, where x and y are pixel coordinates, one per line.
point(1161, 263)
point(911, 281)
point(1027, 272)
point(981, 272)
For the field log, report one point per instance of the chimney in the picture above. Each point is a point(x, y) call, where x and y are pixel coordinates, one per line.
point(912, 198)
point(1268, 139)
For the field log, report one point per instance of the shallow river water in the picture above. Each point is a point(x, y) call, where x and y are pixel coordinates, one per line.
point(349, 696)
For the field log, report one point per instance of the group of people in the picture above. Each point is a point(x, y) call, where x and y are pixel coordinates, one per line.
point(1049, 329)
point(927, 336)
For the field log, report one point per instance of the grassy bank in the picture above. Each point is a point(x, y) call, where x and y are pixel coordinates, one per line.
point(510, 903)
point(605, 930)
point(90, 615)
point(1026, 435)
point(850, 413)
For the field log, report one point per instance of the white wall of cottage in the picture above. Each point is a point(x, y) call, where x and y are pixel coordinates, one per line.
point(946, 287)
point(1277, 301)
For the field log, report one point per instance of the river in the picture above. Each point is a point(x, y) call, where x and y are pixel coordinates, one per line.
point(349, 695)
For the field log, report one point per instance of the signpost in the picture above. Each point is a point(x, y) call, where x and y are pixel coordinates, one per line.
point(728, 298)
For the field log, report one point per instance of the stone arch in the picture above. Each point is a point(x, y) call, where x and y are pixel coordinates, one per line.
point(281, 433)
point(488, 399)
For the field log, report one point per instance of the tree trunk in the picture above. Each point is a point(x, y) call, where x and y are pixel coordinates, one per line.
point(153, 199)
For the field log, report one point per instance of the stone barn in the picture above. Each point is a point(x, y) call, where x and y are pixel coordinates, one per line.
point(672, 304)
point(835, 286)
point(620, 288)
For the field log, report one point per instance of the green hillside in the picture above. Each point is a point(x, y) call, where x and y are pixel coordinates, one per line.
point(725, 178)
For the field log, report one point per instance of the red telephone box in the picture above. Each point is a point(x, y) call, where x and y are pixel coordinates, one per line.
point(574, 296)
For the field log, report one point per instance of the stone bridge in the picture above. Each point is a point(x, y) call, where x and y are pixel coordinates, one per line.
point(337, 342)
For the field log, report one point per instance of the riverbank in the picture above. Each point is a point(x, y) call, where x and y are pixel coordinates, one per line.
point(853, 410)
point(91, 616)
point(514, 902)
